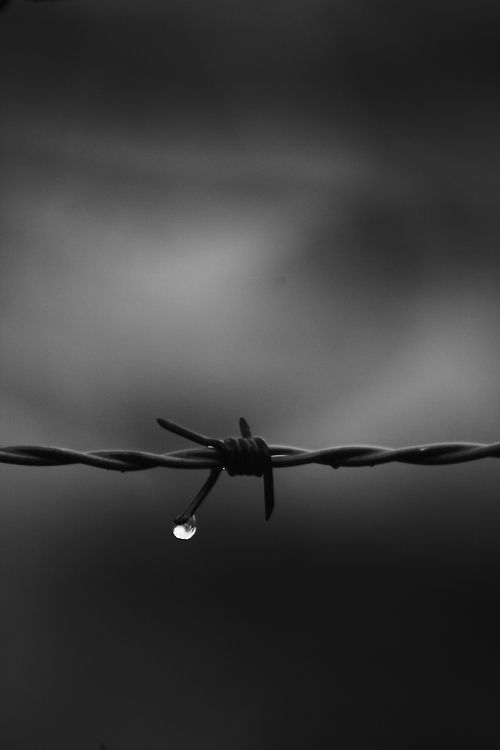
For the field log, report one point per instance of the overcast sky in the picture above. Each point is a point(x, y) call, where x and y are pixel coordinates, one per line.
point(281, 210)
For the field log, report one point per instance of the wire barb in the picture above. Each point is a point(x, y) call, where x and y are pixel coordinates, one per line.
point(250, 456)
point(244, 456)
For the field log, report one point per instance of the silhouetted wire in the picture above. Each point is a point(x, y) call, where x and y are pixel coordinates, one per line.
point(282, 456)
point(246, 455)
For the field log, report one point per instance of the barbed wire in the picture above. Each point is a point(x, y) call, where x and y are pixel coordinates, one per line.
point(246, 455)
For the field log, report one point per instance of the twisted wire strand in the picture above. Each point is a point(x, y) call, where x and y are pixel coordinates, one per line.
point(282, 456)
point(246, 455)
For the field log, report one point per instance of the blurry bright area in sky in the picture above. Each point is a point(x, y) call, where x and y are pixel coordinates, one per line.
point(332, 277)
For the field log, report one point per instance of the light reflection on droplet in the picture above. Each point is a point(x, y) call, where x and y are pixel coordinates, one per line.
point(185, 530)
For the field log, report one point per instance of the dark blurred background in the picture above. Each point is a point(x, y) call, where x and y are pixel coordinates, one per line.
point(281, 210)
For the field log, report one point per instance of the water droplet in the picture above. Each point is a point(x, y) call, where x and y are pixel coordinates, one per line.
point(185, 530)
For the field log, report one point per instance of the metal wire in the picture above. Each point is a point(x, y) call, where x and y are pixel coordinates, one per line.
point(282, 456)
point(245, 455)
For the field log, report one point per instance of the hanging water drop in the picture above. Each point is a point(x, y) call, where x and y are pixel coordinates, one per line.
point(185, 530)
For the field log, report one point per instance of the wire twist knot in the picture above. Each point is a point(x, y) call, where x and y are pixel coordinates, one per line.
point(245, 456)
